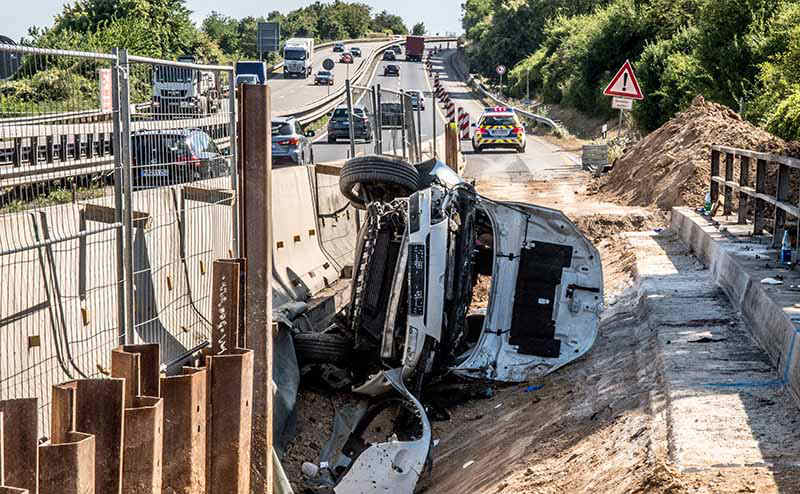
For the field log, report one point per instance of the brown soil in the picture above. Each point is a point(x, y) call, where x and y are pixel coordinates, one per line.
point(671, 166)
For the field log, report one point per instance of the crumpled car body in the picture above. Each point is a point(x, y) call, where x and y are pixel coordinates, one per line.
point(392, 465)
point(546, 289)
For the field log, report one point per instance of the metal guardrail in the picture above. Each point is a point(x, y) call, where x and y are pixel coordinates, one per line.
point(755, 191)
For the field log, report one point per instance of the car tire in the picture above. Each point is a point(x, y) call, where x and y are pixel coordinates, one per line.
point(476, 149)
point(521, 149)
point(395, 176)
point(331, 140)
point(322, 348)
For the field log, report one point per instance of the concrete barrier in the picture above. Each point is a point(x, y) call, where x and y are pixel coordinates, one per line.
point(738, 266)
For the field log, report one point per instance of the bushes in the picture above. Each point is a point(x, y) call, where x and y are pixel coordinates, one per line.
point(784, 120)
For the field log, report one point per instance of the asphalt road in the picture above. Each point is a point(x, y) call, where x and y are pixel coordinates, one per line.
point(412, 76)
point(288, 94)
point(540, 161)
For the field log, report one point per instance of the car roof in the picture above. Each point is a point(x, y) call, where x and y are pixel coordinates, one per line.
point(499, 114)
point(282, 119)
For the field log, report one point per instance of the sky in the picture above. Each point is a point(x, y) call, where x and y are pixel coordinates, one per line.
point(438, 15)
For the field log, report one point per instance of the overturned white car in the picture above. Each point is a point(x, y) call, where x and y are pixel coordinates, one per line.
point(427, 239)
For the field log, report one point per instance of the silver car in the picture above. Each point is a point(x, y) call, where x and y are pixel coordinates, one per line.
point(290, 144)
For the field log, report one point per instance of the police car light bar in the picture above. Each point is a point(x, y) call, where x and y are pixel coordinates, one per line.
point(498, 109)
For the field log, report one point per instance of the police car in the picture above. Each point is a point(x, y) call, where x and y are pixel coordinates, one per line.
point(499, 127)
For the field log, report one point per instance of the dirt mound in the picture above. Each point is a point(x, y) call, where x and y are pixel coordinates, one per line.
point(671, 166)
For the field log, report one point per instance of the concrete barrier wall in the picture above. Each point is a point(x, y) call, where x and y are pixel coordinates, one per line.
point(770, 325)
point(58, 304)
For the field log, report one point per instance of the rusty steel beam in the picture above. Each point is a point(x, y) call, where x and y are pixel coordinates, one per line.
point(230, 421)
point(68, 467)
point(67, 462)
point(96, 407)
point(255, 155)
point(144, 417)
point(184, 455)
point(19, 442)
point(143, 448)
point(224, 307)
point(149, 367)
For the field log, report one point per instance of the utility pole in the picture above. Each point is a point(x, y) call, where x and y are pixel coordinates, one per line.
point(433, 108)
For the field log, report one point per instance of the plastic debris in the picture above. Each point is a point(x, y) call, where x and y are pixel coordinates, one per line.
point(533, 387)
point(467, 464)
point(771, 281)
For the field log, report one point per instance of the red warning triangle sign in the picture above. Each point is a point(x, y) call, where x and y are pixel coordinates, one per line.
point(624, 84)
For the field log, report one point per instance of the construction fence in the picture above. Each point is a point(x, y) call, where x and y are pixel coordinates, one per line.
point(117, 191)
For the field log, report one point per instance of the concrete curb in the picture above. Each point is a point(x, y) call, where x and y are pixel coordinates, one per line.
point(771, 325)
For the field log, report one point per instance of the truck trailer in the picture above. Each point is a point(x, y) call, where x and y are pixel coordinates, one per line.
point(298, 57)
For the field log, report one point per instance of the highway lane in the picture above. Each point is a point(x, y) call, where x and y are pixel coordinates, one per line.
point(288, 94)
point(540, 161)
point(412, 76)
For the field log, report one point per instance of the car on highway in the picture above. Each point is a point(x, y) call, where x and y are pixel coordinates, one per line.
point(338, 47)
point(397, 50)
point(391, 114)
point(346, 58)
point(498, 128)
point(324, 78)
point(168, 157)
point(391, 70)
point(289, 143)
point(417, 99)
point(339, 124)
point(355, 51)
point(389, 55)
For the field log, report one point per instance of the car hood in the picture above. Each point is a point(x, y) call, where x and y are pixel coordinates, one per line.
point(546, 295)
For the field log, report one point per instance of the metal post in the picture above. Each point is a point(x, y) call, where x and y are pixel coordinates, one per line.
point(433, 111)
point(379, 119)
point(350, 117)
point(619, 128)
point(374, 97)
point(727, 189)
point(419, 132)
point(257, 245)
point(528, 84)
point(234, 163)
point(403, 125)
point(127, 173)
point(118, 179)
point(714, 173)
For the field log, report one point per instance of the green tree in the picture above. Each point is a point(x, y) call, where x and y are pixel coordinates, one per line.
point(389, 22)
point(418, 29)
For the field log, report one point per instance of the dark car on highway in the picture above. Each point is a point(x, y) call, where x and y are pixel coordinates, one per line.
point(338, 47)
point(355, 51)
point(339, 124)
point(389, 55)
point(397, 49)
point(167, 157)
point(324, 78)
point(391, 70)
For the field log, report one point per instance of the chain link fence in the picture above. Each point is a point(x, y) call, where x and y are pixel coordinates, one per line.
point(117, 186)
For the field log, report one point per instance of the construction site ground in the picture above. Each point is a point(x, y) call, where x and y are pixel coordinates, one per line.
point(646, 410)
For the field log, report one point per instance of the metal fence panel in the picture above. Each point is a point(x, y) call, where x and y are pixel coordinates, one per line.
point(59, 229)
point(117, 193)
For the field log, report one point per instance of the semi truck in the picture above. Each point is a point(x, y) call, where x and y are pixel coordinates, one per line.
point(298, 57)
point(184, 91)
point(415, 46)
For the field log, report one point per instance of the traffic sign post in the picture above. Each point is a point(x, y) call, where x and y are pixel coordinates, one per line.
point(501, 69)
point(328, 64)
point(269, 38)
point(623, 88)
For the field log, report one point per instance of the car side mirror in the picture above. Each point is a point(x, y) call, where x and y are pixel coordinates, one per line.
point(310, 133)
point(474, 124)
